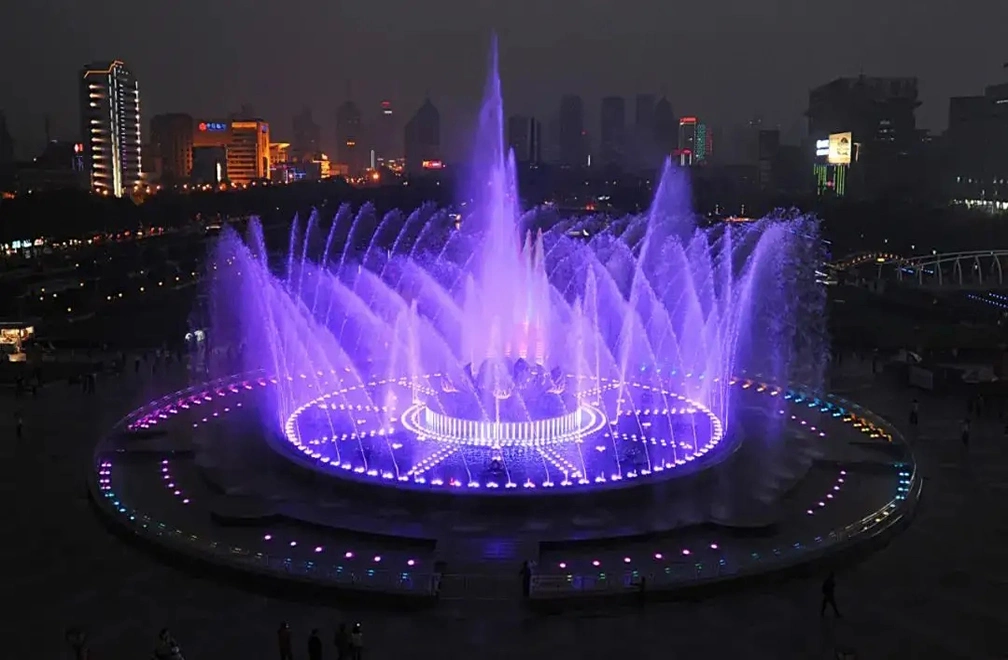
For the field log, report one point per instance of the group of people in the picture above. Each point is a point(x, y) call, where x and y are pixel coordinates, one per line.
point(348, 642)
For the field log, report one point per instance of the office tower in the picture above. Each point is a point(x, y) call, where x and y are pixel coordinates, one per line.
point(387, 143)
point(423, 139)
point(687, 141)
point(307, 136)
point(573, 147)
point(349, 149)
point(6, 142)
point(172, 145)
point(666, 128)
point(243, 144)
point(525, 139)
point(875, 118)
point(612, 136)
point(248, 151)
point(110, 117)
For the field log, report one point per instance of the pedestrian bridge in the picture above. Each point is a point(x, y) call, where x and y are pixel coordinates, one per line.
point(978, 270)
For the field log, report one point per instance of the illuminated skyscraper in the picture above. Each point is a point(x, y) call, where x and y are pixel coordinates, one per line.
point(110, 117)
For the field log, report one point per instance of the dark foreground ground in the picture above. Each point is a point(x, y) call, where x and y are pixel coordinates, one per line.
point(938, 591)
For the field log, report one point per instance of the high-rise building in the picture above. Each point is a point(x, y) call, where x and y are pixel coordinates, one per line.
point(642, 151)
point(248, 151)
point(976, 171)
point(525, 139)
point(666, 128)
point(423, 140)
point(386, 138)
point(172, 145)
point(350, 151)
point(877, 118)
point(572, 143)
point(612, 134)
point(245, 144)
point(6, 142)
point(307, 136)
point(110, 117)
point(687, 141)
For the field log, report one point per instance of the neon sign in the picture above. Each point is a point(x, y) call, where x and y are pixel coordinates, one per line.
point(432, 165)
point(212, 126)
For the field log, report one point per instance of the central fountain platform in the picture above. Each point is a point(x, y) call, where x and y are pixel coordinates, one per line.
point(619, 433)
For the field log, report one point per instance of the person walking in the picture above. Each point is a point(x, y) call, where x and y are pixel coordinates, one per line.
point(284, 641)
point(829, 596)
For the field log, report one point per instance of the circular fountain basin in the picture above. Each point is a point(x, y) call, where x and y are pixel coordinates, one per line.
point(607, 441)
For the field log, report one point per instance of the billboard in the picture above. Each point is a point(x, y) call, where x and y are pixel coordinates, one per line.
point(839, 149)
point(211, 126)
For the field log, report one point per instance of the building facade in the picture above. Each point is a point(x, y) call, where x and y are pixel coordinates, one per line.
point(612, 133)
point(171, 137)
point(976, 150)
point(246, 144)
point(110, 117)
point(879, 114)
point(573, 140)
point(422, 138)
point(350, 151)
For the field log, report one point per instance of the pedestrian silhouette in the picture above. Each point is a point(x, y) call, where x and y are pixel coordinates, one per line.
point(829, 596)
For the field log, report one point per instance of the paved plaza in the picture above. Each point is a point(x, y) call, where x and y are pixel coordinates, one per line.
point(937, 591)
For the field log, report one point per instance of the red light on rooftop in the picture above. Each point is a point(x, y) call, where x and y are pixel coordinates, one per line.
point(687, 120)
point(386, 104)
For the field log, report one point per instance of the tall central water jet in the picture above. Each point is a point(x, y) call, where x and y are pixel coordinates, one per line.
point(524, 350)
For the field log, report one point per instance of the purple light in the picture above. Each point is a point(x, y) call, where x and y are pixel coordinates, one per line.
point(348, 555)
point(713, 546)
point(377, 558)
point(685, 551)
point(268, 537)
point(410, 562)
point(375, 373)
point(596, 563)
point(563, 564)
point(318, 548)
point(657, 555)
point(626, 560)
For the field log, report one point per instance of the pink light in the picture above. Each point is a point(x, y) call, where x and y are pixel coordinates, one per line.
point(713, 546)
point(626, 560)
point(563, 564)
point(410, 562)
point(293, 543)
point(318, 548)
point(657, 555)
point(596, 562)
point(377, 558)
point(685, 551)
point(348, 555)
point(267, 537)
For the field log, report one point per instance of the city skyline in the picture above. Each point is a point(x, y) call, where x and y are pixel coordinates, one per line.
point(407, 59)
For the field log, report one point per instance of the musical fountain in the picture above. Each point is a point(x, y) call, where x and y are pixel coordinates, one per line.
point(518, 355)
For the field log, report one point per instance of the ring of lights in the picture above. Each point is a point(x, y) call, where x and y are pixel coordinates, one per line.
point(558, 442)
point(805, 411)
point(427, 424)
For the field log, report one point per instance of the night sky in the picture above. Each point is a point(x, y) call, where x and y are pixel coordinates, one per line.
point(725, 60)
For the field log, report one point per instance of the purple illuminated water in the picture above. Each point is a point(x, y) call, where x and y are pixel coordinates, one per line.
point(519, 350)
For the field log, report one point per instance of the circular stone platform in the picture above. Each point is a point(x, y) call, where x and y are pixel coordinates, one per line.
point(195, 473)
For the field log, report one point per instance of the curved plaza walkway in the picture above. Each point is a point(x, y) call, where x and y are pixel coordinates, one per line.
point(937, 591)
